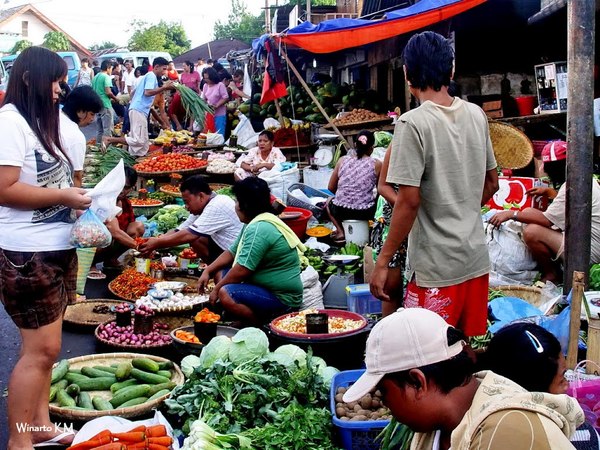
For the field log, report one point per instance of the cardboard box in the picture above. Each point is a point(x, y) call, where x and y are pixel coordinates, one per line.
point(512, 190)
point(493, 109)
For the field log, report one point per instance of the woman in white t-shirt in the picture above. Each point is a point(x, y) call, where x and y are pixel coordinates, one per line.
point(38, 265)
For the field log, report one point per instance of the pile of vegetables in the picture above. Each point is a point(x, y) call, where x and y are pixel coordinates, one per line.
point(221, 166)
point(97, 164)
point(131, 284)
point(595, 277)
point(237, 386)
point(314, 258)
point(173, 137)
point(154, 437)
point(168, 162)
point(130, 383)
point(358, 116)
point(176, 300)
point(369, 407)
point(126, 335)
point(169, 217)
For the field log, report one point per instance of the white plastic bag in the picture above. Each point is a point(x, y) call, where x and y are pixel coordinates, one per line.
point(247, 81)
point(313, 295)
point(104, 195)
point(246, 135)
point(279, 182)
point(214, 139)
point(509, 256)
point(270, 122)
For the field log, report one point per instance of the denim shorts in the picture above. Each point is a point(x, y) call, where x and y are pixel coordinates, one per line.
point(261, 301)
point(36, 287)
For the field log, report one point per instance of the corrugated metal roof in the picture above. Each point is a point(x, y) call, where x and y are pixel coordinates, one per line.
point(218, 49)
point(550, 8)
point(372, 7)
point(9, 12)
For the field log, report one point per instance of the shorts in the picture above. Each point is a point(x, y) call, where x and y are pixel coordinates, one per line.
point(265, 305)
point(342, 213)
point(464, 305)
point(36, 287)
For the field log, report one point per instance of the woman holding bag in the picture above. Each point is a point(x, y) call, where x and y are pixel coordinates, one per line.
point(38, 266)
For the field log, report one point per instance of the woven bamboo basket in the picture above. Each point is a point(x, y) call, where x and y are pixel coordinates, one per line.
point(147, 210)
point(183, 172)
point(171, 193)
point(530, 294)
point(512, 148)
point(82, 314)
point(217, 186)
point(106, 359)
point(129, 347)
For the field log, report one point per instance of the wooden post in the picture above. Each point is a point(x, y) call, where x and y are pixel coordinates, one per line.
point(314, 99)
point(580, 98)
point(593, 344)
point(279, 113)
point(575, 322)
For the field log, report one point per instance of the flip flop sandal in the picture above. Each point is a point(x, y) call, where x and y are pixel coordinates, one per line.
point(96, 275)
point(55, 441)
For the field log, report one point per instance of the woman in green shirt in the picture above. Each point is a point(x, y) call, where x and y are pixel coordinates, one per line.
point(264, 279)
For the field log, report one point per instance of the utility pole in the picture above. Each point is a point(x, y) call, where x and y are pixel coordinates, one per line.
point(267, 18)
point(308, 8)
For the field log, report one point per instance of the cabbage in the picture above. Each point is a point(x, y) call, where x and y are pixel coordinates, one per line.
point(383, 138)
point(327, 374)
point(294, 352)
point(283, 359)
point(318, 363)
point(188, 364)
point(247, 344)
point(217, 348)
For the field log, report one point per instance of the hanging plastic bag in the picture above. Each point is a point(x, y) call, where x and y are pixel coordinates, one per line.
point(89, 231)
point(104, 195)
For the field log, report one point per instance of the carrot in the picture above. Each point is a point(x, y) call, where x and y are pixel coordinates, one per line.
point(135, 436)
point(138, 428)
point(156, 431)
point(163, 440)
point(138, 446)
point(96, 441)
point(111, 446)
point(157, 447)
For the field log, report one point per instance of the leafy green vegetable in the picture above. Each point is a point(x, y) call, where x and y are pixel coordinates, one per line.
point(217, 348)
point(383, 138)
point(294, 352)
point(188, 364)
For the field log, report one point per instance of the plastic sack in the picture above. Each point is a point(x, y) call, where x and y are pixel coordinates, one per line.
point(508, 309)
point(104, 195)
point(279, 182)
point(214, 139)
point(245, 132)
point(312, 296)
point(269, 122)
point(89, 231)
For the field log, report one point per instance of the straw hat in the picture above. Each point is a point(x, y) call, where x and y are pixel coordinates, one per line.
point(512, 148)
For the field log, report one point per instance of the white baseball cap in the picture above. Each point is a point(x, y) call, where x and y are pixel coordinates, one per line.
point(406, 339)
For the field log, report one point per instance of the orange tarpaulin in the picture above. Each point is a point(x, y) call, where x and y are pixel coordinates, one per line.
point(327, 38)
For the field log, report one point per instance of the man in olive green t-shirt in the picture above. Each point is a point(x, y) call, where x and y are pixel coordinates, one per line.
point(443, 163)
point(102, 84)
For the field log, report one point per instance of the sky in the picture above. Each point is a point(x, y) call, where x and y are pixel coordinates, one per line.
point(88, 25)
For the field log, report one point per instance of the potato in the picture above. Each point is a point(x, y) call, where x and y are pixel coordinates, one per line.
point(339, 397)
point(344, 418)
point(350, 414)
point(366, 401)
point(358, 417)
point(364, 412)
point(375, 415)
point(356, 408)
point(375, 403)
point(340, 405)
point(340, 412)
point(377, 393)
point(351, 405)
point(341, 390)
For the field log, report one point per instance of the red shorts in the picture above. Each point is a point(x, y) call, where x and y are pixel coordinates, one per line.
point(463, 305)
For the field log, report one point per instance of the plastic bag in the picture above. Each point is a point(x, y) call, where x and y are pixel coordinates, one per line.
point(245, 132)
point(279, 182)
point(104, 195)
point(312, 296)
point(214, 139)
point(89, 231)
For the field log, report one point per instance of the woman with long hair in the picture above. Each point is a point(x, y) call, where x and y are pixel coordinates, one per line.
point(190, 77)
point(38, 265)
point(216, 95)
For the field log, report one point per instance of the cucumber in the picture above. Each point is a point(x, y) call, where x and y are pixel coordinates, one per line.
point(159, 394)
point(159, 387)
point(64, 399)
point(94, 373)
point(165, 373)
point(62, 384)
point(134, 402)
point(147, 377)
point(115, 387)
point(73, 377)
point(129, 393)
point(101, 404)
point(123, 371)
point(96, 384)
point(146, 364)
point(73, 390)
point(165, 365)
point(106, 369)
point(84, 401)
point(60, 370)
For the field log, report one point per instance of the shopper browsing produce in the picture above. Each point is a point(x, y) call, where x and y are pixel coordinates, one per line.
point(443, 163)
point(212, 227)
point(264, 279)
point(427, 379)
point(38, 266)
point(353, 182)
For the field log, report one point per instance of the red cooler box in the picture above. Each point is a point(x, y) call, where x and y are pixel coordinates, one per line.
point(512, 191)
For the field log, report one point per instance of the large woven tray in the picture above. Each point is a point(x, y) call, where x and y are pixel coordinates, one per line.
point(130, 297)
point(364, 124)
point(81, 314)
point(169, 172)
point(171, 193)
point(108, 359)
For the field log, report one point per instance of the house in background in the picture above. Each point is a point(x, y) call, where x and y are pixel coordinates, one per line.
point(27, 22)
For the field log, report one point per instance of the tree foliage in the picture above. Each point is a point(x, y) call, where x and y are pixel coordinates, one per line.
point(240, 24)
point(302, 3)
point(163, 36)
point(105, 45)
point(20, 46)
point(56, 41)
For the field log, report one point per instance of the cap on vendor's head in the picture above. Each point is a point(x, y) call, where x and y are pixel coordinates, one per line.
point(407, 339)
point(554, 151)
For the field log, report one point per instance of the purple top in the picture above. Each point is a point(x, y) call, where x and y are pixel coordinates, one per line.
point(191, 80)
point(214, 94)
point(357, 181)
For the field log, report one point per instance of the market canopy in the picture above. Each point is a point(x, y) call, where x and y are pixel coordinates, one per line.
point(339, 34)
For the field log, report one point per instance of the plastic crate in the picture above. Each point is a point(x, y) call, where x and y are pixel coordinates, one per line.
point(309, 192)
point(354, 435)
point(361, 301)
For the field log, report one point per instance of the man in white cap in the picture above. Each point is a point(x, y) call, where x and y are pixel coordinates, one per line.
point(420, 365)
